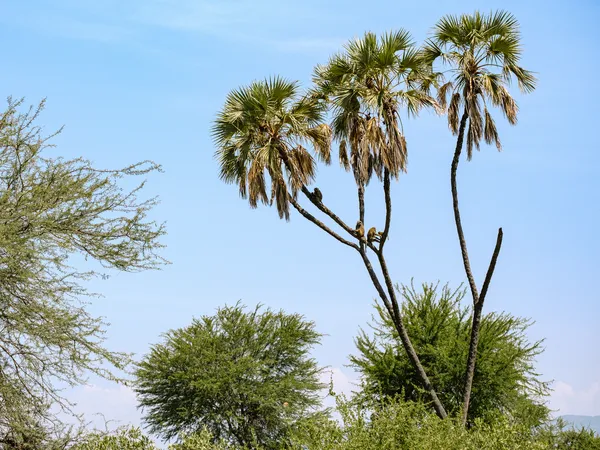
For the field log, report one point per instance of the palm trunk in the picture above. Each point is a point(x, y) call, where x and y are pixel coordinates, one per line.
point(391, 304)
point(475, 327)
point(395, 313)
point(407, 344)
point(477, 299)
point(471, 359)
point(459, 229)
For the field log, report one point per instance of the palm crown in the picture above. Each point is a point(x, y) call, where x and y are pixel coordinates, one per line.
point(261, 131)
point(366, 85)
point(483, 52)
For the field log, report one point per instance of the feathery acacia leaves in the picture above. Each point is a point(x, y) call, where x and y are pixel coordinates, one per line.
point(53, 210)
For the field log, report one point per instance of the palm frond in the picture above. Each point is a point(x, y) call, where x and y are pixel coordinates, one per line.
point(475, 122)
point(474, 46)
point(320, 136)
point(281, 198)
point(343, 155)
point(525, 78)
point(449, 31)
point(442, 96)
point(504, 49)
point(509, 106)
point(256, 183)
point(303, 168)
point(453, 112)
point(501, 23)
point(490, 132)
point(431, 51)
point(254, 132)
point(391, 44)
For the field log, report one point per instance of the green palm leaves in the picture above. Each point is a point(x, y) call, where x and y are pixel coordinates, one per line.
point(261, 132)
point(268, 134)
point(482, 53)
point(366, 86)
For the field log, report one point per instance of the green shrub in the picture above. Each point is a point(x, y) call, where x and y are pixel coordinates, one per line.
point(130, 438)
point(410, 426)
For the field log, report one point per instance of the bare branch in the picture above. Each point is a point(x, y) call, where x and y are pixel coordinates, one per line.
point(492, 266)
point(320, 224)
point(459, 229)
point(388, 209)
point(327, 211)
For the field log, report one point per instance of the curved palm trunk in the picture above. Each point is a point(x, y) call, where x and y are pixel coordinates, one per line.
point(477, 299)
point(395, 313)
point(391, 303)
point(459, 229)
point(407, 344)
point(476, 325)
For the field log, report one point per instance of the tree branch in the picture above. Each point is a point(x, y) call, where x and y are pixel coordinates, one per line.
point(388, 209)
point(475, 327)
point(459, 229)
point(320, 224)
point(321, 206)
point(492, 266)
point(377, 284)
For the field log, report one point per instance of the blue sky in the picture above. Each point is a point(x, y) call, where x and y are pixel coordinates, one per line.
point(143, 79)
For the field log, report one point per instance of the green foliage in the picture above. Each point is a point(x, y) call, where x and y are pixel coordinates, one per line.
point(30, 430)
point(245, 376)
point(202, 440)
point(398, 425)
point(52, 212)
point(366, 87)
point(391, 425)
point(561, 436)
point(439, 326)
point(259, 133)
point(130, 438)
point(481, 54)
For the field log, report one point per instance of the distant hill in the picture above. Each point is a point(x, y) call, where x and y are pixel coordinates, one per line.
point(592, 422)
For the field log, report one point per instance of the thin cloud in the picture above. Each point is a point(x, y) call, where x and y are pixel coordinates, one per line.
point(237, 21)
point(567, 399)
point(206, 16)
point(324, 45)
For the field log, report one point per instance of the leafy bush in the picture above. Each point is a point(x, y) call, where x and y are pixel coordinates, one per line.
point(245, 376)
point(394, 425)
point(398, 425)
point(129, 438)
point(505, 381)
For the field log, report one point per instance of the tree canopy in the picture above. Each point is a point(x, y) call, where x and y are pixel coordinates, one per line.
point(481, 53)
point(244, 375)
point(505, 380)
point(54, 215)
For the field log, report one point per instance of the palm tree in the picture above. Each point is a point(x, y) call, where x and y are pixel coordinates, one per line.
point(482, 53)
point(263, 128)
point(260, 132)
point(366, 86)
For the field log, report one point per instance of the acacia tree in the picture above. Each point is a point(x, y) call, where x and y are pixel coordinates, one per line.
point(245, 376)
point(482, 54)
point(52, 210)
point(505, 381)
point(261, 132)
